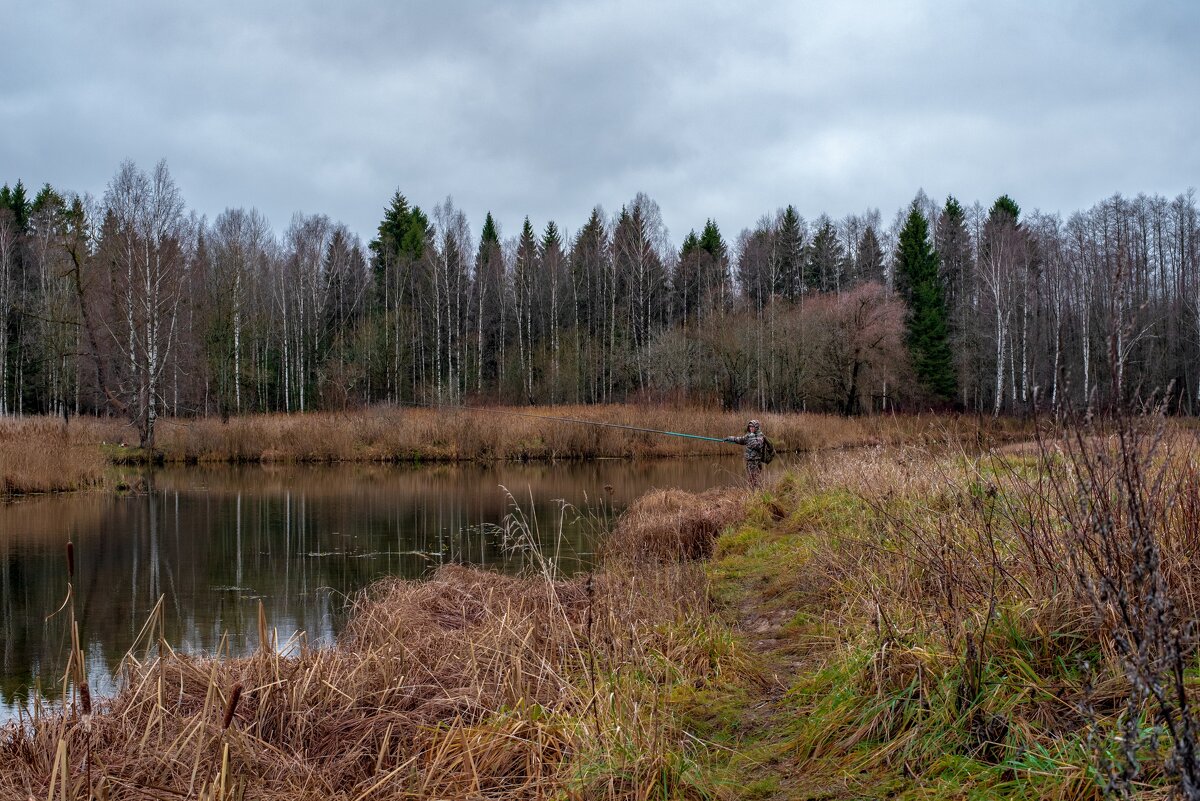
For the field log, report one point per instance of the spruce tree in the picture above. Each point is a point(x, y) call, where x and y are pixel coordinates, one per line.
point(868, 263)
point(1004, 206)
point(826, 267)
point(789, 255)
point(685, 281)
point(921, 286)
point(401, 233)
point(20, 206)
point(714, 266)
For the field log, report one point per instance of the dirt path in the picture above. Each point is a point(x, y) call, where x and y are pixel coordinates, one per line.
point(764, 766)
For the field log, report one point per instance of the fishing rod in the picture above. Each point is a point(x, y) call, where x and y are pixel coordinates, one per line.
point(565, 420)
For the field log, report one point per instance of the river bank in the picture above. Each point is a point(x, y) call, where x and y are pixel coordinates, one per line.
point(1008, 625)
point(469, 685)
point(883, 624)
point(42, 454)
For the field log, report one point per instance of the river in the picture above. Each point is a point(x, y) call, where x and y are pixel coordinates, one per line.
point(214, 542)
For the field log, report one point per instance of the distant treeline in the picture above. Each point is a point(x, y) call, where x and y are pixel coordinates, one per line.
point(133, 305)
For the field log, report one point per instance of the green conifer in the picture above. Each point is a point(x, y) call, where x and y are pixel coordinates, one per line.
point(921, 286)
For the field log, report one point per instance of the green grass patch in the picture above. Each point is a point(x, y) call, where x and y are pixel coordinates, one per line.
point(868, 714)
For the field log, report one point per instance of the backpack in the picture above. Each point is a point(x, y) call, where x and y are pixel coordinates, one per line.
point(768, 451)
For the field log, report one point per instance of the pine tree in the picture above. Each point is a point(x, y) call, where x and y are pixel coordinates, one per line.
point(525, 280)
point(592, 292)
point(954, 250)
point(553, 298)
point(402, 232)
point(1004, 205)
point(921, 286)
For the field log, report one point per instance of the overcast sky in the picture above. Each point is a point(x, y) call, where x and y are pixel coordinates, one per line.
point(725, 110)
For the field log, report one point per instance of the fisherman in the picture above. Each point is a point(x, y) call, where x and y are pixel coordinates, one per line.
point(755, 444)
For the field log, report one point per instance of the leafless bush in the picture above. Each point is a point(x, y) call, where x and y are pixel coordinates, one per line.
point(1130, 507)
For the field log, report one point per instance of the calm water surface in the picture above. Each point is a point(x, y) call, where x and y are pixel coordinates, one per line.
point(213, 542)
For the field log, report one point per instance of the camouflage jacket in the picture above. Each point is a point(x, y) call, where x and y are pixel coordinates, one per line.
point(753, 443)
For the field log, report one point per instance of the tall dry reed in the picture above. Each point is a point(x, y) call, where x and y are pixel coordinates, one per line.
point(44, 454)
point(468, 685)
point(404, 434)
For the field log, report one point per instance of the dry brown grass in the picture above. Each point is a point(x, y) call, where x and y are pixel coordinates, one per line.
point(983, 605)
point(469, 685)
point(400, 434)
point(42, 454)
point(671, 525)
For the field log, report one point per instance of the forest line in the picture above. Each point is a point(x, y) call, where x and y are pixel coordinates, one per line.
point(133, 305)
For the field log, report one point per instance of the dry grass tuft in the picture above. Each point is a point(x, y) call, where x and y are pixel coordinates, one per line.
point(672, 525)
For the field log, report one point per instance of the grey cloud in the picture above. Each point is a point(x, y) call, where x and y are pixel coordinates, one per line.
point(714, 109)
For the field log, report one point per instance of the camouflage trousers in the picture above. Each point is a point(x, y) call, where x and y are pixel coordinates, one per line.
point(754, 470)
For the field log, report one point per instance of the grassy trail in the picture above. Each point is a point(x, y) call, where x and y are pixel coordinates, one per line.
point(830, 703)
point(753, 584)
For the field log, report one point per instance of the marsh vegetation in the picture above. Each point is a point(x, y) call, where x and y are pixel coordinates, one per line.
point(885, 622)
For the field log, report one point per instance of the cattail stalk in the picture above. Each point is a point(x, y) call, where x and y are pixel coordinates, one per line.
point(230, 708)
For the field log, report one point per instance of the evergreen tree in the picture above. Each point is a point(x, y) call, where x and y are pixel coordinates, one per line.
point(712, 242)
point(826, 267)
point(553, 300)
point(551, 238)
point(16, 201)
point(868, 263)
point(685, 281)
point(525, 281)
point(921, 286)
point(592, 286)
point(691, 244)
point(714, 267)
point(1005, 205)
point(490, 307)
point(402, 234)
point(953, 244)
point(789, 255)
point(490, 235)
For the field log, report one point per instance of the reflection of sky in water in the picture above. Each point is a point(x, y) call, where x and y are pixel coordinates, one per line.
point(214, 542)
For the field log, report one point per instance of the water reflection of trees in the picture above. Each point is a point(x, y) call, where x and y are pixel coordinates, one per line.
point(214, 542)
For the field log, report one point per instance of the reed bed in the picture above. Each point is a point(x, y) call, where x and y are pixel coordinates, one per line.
point(468, 685)
point(44, 454)
point(402, 434)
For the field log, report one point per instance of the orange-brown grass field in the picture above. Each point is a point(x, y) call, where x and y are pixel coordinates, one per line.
point(45, 454)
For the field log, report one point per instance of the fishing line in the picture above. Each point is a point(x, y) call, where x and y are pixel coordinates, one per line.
point(494, 410)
